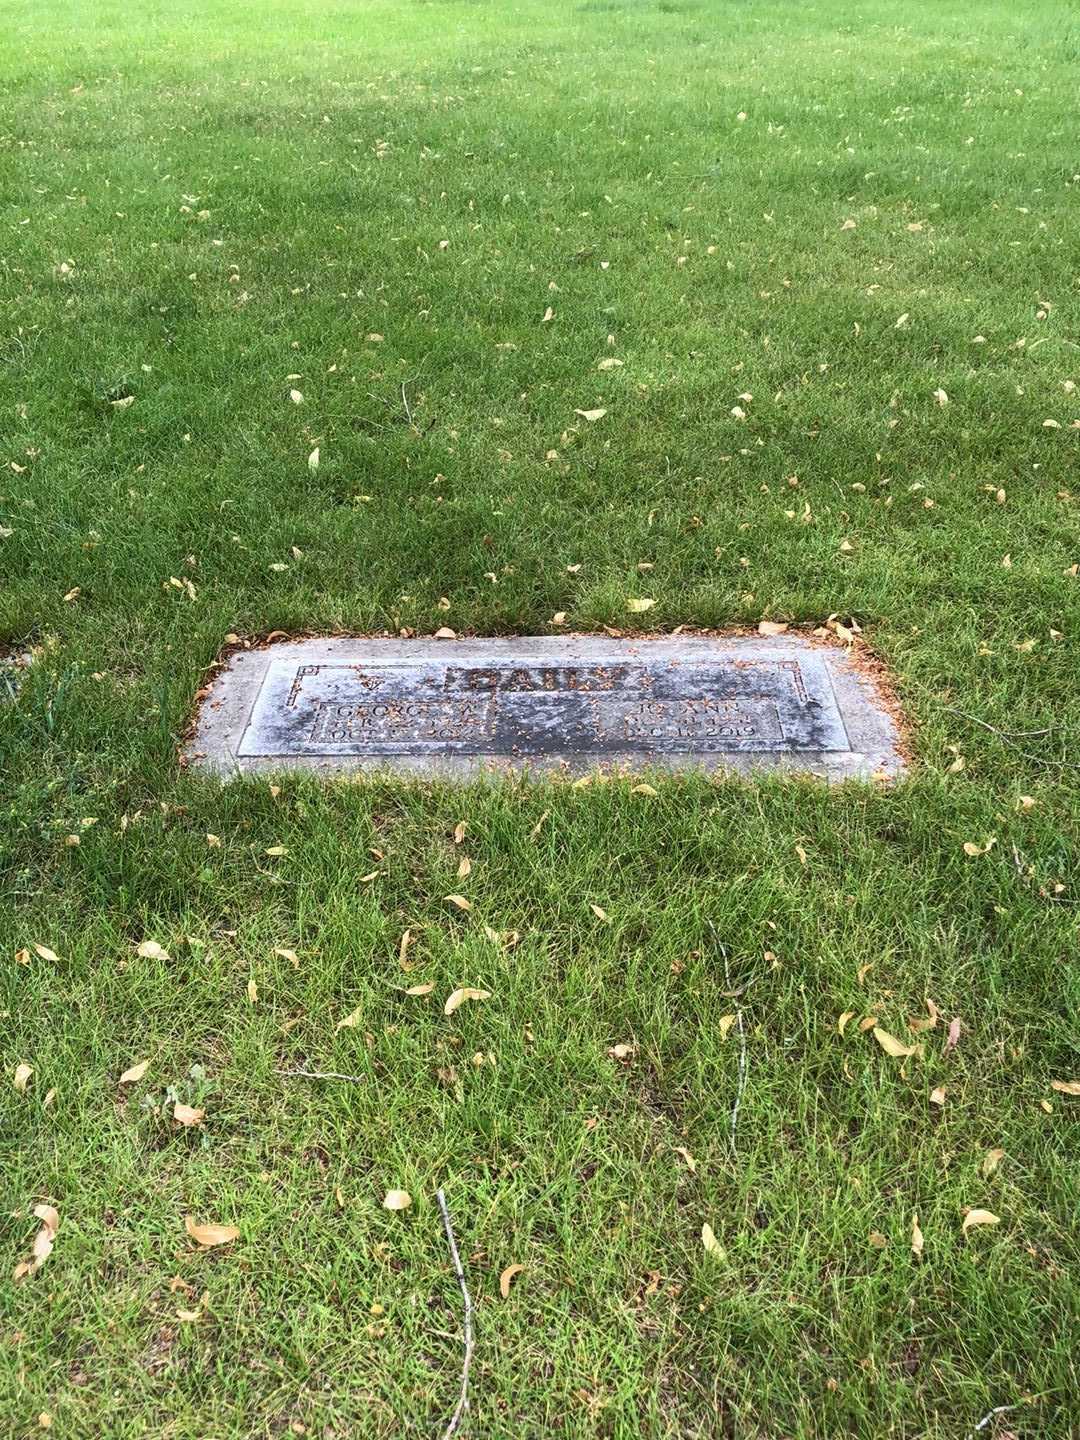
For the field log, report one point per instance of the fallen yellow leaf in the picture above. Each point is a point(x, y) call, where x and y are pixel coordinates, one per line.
point(724, 1024)
point(21, 1078)
point(916, 1236)
point(638, 607)
point(459, 901)
point(979, 1217)
point(397, 1200)
point(151, 950)
point(890, 1044)
point(1066, 1087)
point(599, 912)
point(458, 997)
point(44, 953)
point(991, 1160)
point(711, 1243)
point(136, 1072)
point(425, 989)
point(187, 1114)
point(506, 1277)
point(591, 415)
point(210, 1235)
point(842, 1023)
point(351, 1020)
point(43, 1241)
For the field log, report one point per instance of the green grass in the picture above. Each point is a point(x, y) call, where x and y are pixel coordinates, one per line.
point(591, 158)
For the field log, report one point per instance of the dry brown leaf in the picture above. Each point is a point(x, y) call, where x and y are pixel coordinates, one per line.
point(445, 633)
point(772, 627)
point(506, 1277)
point(424, 989)
point(136, 1072)
point(991, 1160)
point(210, 1235)
point(1066, 1087)
point(290, 955)
point(691, 1163)
point(397, 1200)
point(151, 950)
point(867, 1023)
point(458, 997)
point(459, 901)
point(21, 1077)
point(351, 1020)
point(842, 1023)
point(711, 1243)
point(464, 869)
point(889, 1043)
point(979, 1217)
point(917, 1241)
point(970, 848)
point(43, 1241)
point(937, 1095)
point(877, 1240)
point(188, 1114)
point(403, 949)
point(622, 1051)
point(459, 832)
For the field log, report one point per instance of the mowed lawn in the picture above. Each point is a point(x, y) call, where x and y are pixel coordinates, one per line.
point(835, 252)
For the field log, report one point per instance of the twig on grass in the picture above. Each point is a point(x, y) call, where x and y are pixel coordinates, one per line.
point(742, 1078)
point(463, 1398)
point(997, 1410)
point(320, 1075)
point(1010, 738)
point(405, 402)
point(740, 1085)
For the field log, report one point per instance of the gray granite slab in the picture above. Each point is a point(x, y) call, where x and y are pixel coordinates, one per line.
point(459, 707)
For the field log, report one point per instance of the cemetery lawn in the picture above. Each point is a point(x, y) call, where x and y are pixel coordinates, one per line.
point(835, 255)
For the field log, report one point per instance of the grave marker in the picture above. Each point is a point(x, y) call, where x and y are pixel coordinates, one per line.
point(455, 707)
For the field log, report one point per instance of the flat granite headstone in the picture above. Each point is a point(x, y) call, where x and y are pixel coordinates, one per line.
point(458, 707)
